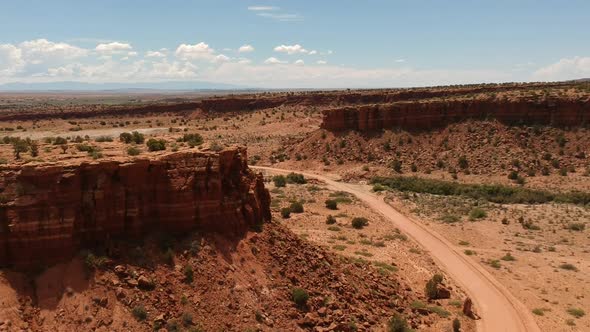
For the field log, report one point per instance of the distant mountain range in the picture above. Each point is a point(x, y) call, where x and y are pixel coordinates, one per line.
point(122, 87)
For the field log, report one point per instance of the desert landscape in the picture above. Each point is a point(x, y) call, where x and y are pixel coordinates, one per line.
point(434, 209)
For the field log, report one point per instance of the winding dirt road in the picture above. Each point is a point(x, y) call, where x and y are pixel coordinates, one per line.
point(500, 311)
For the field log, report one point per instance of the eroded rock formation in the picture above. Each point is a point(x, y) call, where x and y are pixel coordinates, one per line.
point(48, 212)
point(427, 114)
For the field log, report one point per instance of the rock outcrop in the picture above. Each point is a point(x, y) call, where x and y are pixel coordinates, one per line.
point(428, 114)
point(251, 102)
point(48, 212)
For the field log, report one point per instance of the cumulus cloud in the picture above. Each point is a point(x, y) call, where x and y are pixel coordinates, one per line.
point(11, 60)
point(200, 51)
point(262, 8)
point(113, 48)
point(273, 61)
point(293, 49)
point(246, 48)
point(155, 54)
point(43, 60)
point(220, 58)
point(564, 69)
point(40, 51)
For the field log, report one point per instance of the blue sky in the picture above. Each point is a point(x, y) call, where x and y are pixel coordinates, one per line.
point(330, 43)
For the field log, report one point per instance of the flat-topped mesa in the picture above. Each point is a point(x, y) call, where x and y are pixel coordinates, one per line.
point(428, 114)
point(48, 212)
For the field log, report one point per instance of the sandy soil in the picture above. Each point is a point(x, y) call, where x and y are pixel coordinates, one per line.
point(500, 310)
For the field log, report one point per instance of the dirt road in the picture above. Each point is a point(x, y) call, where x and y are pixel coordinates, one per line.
point(500, 311)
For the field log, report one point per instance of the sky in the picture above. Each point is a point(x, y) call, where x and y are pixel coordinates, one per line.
point(294, 44)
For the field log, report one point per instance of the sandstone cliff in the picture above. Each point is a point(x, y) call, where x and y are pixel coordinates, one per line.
point(49, 212)
point(420, 115)
point(250, 102)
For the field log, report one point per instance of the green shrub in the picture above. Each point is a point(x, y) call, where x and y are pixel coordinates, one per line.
point(431, 288)
point(513, 175)
point(577, 226)
point(576, 312)
point(296, 207)
point(279, 181)
point(59, 141)
point(296, 178)
point(508, 257)
point(299, 296)
point(188, 274)
point(331, 204)
point(359, 222)
point(101, 139)
point(156, 144)
point(397, 323)
point(456, 325)
point(492, 193)
point(193, 139)
point(139, 313)
point(569, 267)
point(187, 319)
point(133, 137)
point(477, 213)
point(285, 212)
point(538, 312)
point(463, 163)
point(133, 151)
point(396, 165)
point(330, 220)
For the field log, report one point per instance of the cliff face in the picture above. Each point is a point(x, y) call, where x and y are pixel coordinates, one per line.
point(430, 114)
point(49, 212)
point(250, 102)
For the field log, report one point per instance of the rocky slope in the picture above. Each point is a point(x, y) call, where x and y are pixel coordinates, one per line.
point(237, 285)
point(48, 212)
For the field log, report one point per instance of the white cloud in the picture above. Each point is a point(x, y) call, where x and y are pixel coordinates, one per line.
point(200, 51)
point(220, 58)
point(113, 48)
point(246, 48)
point(44, 61)
point(292, 49)
point(262, 8)
point(273, 61)
point(281, 17)
point(11, 60)
point(42, 50)
point(564, 69)
point(155, 54)
point(312, 52)
point(321, 62)
point(400, 60)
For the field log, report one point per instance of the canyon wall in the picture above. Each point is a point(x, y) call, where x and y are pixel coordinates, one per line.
point(423, 115)
point(49, 212)
point(250, 102)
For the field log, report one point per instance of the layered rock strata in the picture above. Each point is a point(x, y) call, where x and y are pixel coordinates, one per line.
point(48, 212)
point(423, 115)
